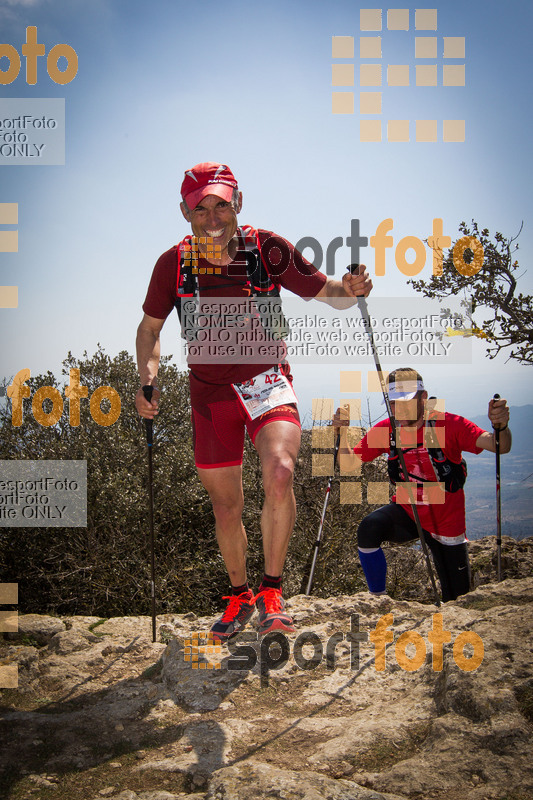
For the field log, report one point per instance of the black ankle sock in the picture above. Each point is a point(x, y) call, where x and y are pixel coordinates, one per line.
point(270, 582)
point(240, 589)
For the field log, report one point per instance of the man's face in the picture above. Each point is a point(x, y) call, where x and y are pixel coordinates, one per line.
point(409, 412)
point(215, 218)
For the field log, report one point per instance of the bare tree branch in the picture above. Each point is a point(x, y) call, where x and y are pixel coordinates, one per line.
point(492, 288)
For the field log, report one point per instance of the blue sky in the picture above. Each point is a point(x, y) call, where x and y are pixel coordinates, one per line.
point(165, 85)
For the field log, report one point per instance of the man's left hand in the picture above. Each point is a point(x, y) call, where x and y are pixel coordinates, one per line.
point(499, 413)
point(358, 284)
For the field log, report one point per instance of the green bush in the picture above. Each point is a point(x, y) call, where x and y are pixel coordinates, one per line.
point(104, 569)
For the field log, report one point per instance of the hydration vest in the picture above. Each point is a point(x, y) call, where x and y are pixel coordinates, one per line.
point(259, 281)
point(452, 475)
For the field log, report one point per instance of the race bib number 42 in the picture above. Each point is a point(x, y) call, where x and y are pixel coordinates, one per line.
point(264, 392)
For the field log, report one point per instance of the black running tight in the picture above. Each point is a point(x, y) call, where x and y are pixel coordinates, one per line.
point(393, 524)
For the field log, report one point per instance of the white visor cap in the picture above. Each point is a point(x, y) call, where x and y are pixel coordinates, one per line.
point(404, 389)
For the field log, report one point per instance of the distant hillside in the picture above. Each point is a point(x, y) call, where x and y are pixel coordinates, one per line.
point(516, 482)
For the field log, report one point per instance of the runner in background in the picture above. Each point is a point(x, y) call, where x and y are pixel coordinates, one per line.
point(442, 513)
point(226, 396)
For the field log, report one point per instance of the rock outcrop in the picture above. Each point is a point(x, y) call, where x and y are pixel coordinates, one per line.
point(335, 710)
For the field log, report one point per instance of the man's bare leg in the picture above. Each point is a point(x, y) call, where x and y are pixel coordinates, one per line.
point(224, 486)
point(277, 444)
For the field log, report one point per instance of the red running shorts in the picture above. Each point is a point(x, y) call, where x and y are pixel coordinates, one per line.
point(219, 422)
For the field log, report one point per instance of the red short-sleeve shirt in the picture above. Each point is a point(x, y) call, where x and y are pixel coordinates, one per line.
point(286, 266)
point(444, 520)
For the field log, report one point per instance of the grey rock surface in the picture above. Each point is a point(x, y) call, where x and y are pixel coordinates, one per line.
point(255, 781)
point(101, 711)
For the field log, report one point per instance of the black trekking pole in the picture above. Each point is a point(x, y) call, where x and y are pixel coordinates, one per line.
point(322, 518)
point(361, 301)
point(147, 391)
point(498, 502)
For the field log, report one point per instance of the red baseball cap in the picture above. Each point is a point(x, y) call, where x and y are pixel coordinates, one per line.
point(208, 178)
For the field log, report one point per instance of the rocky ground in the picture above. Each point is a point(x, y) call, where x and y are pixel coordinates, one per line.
point(101, 712)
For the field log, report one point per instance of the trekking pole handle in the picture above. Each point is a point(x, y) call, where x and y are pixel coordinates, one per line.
point(148, 390)
point(354, 269)
point(496, 429)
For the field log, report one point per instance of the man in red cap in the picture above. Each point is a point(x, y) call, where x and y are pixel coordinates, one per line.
point(229, 395)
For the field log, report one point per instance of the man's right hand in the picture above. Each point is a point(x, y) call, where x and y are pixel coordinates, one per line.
point(147, 409)
point(341, 419)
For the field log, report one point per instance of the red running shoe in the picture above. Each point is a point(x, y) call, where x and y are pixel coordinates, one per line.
point(272, 616)
point(239, 610)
